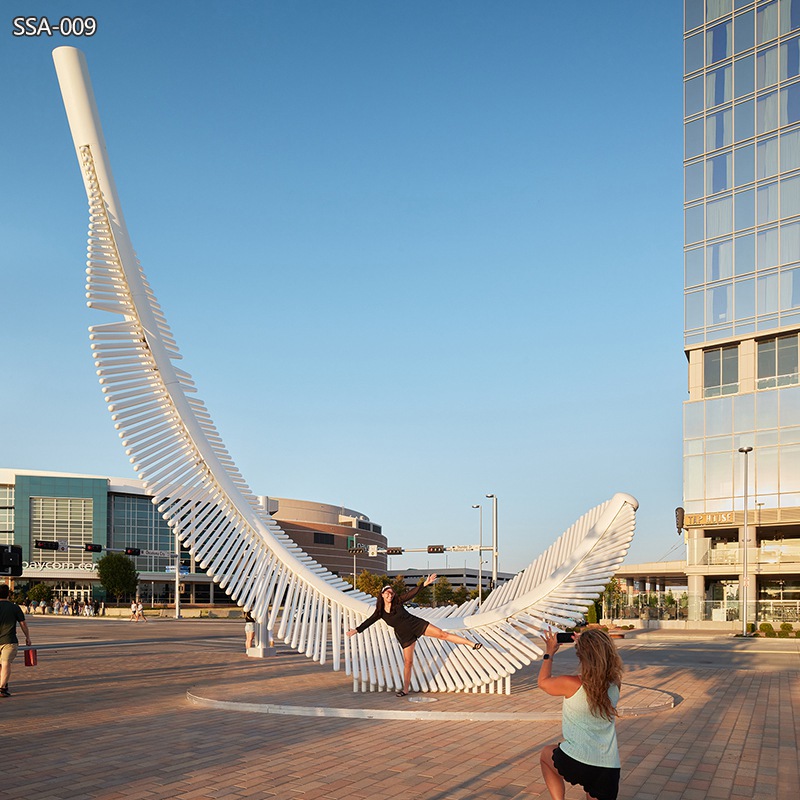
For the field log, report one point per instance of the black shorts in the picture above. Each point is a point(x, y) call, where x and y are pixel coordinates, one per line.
point(602, 783)
point(410, 629)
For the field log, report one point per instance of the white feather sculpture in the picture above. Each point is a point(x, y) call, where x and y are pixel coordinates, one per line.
point(174, 446)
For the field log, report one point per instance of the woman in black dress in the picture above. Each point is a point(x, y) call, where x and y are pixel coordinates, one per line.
point(407, 627)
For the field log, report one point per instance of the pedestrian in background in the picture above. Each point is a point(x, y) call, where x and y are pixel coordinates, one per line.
point(10, 616)
point(249, 630)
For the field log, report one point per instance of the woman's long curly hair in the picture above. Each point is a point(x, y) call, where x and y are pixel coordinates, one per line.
point(600, 667)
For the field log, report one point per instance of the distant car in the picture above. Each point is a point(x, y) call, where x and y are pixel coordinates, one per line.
point(412, 605)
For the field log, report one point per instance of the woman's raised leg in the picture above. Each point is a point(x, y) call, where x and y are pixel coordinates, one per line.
point(438, 633)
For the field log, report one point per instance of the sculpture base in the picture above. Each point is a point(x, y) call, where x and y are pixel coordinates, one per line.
point(260, 652)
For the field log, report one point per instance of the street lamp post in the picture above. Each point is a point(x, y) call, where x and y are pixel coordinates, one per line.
point(493, 498)
point(177, 575)
point(480, 553)
point(745, 580)
point(355, 553)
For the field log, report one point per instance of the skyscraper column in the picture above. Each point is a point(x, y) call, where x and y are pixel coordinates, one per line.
point(697, 597)
point(630, 590)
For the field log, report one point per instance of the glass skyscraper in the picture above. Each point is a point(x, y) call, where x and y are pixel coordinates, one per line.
point(742, 304)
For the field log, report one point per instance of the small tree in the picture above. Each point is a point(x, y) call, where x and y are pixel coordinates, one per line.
point(611, 600)
point(118, 575)
point(460, 595)
point(41, 591)
point(369, 583)
point(443, 591)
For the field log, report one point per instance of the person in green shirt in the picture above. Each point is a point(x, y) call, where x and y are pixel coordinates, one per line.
point(10, 616)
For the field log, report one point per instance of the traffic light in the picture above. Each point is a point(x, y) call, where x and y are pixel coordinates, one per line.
point(436, 548)
point(394, 551)
point(355, 550)
point(132, 551)
point(43, 544)
point(11, 560)
point(679, 519)
point(90, 547)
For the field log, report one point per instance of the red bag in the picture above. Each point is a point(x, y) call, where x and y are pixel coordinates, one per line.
point(30, 658)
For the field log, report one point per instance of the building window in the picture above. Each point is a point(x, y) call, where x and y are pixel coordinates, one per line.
point(719, 42)
point(67, 519)
point(324, 538)
point(721, 371)
point(6, 514)
point(777, 362)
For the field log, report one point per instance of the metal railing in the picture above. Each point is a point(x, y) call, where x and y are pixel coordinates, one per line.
point(732, 556)
point(775, 611)
point(778, 610)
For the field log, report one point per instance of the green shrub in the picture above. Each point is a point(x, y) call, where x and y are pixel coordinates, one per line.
point(766, 627)
point(783, 634)
point(786, 626)
point(770, 634)
point(751, 627)
point(41, 592)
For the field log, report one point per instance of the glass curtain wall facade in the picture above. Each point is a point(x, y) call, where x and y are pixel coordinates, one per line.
point(135, 522)
point(742, 299)
point(6, 514)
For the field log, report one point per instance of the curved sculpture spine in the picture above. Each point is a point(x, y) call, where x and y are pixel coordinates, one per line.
point(173, 444)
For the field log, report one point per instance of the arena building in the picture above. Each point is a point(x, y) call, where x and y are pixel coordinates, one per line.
point(117, 513)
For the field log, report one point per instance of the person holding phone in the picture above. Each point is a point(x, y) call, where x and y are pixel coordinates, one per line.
point(407, 627)
point(588, 755)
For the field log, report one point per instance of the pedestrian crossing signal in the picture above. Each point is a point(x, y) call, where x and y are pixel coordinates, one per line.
point(11, 560)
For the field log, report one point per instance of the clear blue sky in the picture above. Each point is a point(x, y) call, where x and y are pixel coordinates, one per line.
point(412, 252)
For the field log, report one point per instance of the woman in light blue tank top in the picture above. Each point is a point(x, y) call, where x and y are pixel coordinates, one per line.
point(588, 756)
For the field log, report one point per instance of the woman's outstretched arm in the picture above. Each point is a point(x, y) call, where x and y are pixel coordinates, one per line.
point(404, 598)
point(376, 615)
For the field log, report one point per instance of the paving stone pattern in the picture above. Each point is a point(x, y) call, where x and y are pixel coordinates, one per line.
point(105, 715)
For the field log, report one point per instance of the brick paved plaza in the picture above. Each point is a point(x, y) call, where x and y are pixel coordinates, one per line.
point(170, 709)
